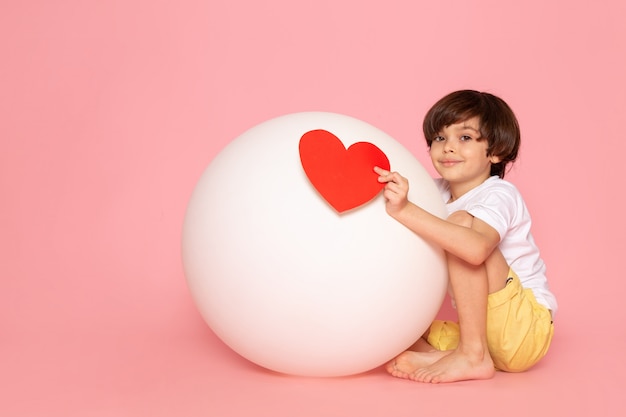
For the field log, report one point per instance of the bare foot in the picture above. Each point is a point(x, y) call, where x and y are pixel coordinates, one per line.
point(407, 363)
point(457, 366)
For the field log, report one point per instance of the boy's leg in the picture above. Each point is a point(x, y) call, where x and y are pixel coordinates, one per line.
point(471, 359)
point(470, 287)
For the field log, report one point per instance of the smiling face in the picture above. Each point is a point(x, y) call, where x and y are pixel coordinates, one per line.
point(459, 154)
point(483, 112)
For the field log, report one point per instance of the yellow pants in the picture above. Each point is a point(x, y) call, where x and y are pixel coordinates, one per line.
point(519, 330)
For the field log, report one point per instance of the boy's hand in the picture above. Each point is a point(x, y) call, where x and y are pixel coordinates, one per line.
point(395, 191)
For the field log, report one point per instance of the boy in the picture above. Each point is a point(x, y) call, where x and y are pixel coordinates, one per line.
point(496, 276)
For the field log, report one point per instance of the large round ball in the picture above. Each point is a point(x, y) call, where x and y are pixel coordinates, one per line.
point(292, 285)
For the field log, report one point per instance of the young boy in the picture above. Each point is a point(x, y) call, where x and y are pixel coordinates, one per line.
point(496, 276)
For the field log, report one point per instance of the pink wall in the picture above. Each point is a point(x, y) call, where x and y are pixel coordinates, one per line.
point(110, 111)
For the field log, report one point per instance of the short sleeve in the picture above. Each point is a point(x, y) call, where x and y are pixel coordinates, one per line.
point(496, 208)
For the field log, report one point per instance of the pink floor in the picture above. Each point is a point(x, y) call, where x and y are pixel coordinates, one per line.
point(164, 372)
point(110, 111)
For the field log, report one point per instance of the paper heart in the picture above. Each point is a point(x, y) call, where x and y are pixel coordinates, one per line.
point(344, 177)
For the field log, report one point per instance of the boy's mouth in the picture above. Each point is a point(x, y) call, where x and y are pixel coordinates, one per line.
point(449, 162)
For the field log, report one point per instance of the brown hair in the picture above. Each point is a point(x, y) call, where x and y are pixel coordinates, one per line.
point(498, 123)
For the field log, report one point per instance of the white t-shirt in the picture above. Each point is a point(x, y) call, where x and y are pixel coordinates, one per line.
point(499, 204)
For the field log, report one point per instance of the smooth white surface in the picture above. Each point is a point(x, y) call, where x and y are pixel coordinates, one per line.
point(289, 283)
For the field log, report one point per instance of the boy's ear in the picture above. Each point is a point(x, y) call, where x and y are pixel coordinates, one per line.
point(495, 159)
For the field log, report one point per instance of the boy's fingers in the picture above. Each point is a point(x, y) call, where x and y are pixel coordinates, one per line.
point(380, 171)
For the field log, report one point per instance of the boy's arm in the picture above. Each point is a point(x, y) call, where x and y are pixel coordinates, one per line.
point(473, 243)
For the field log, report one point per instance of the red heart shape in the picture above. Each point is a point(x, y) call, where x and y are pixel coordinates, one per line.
point(344, 177)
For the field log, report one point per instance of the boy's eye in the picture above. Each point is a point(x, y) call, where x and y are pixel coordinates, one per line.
point(466, 138)
point(438, 139)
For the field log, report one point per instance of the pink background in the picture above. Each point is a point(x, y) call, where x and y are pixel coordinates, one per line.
point(111, 110)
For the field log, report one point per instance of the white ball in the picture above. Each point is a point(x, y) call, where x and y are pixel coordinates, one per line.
point(292, 285)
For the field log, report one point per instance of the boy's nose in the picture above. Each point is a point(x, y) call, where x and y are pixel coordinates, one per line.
point(448, 146)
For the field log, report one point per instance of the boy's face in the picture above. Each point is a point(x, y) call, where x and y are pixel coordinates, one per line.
point(459, 154)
